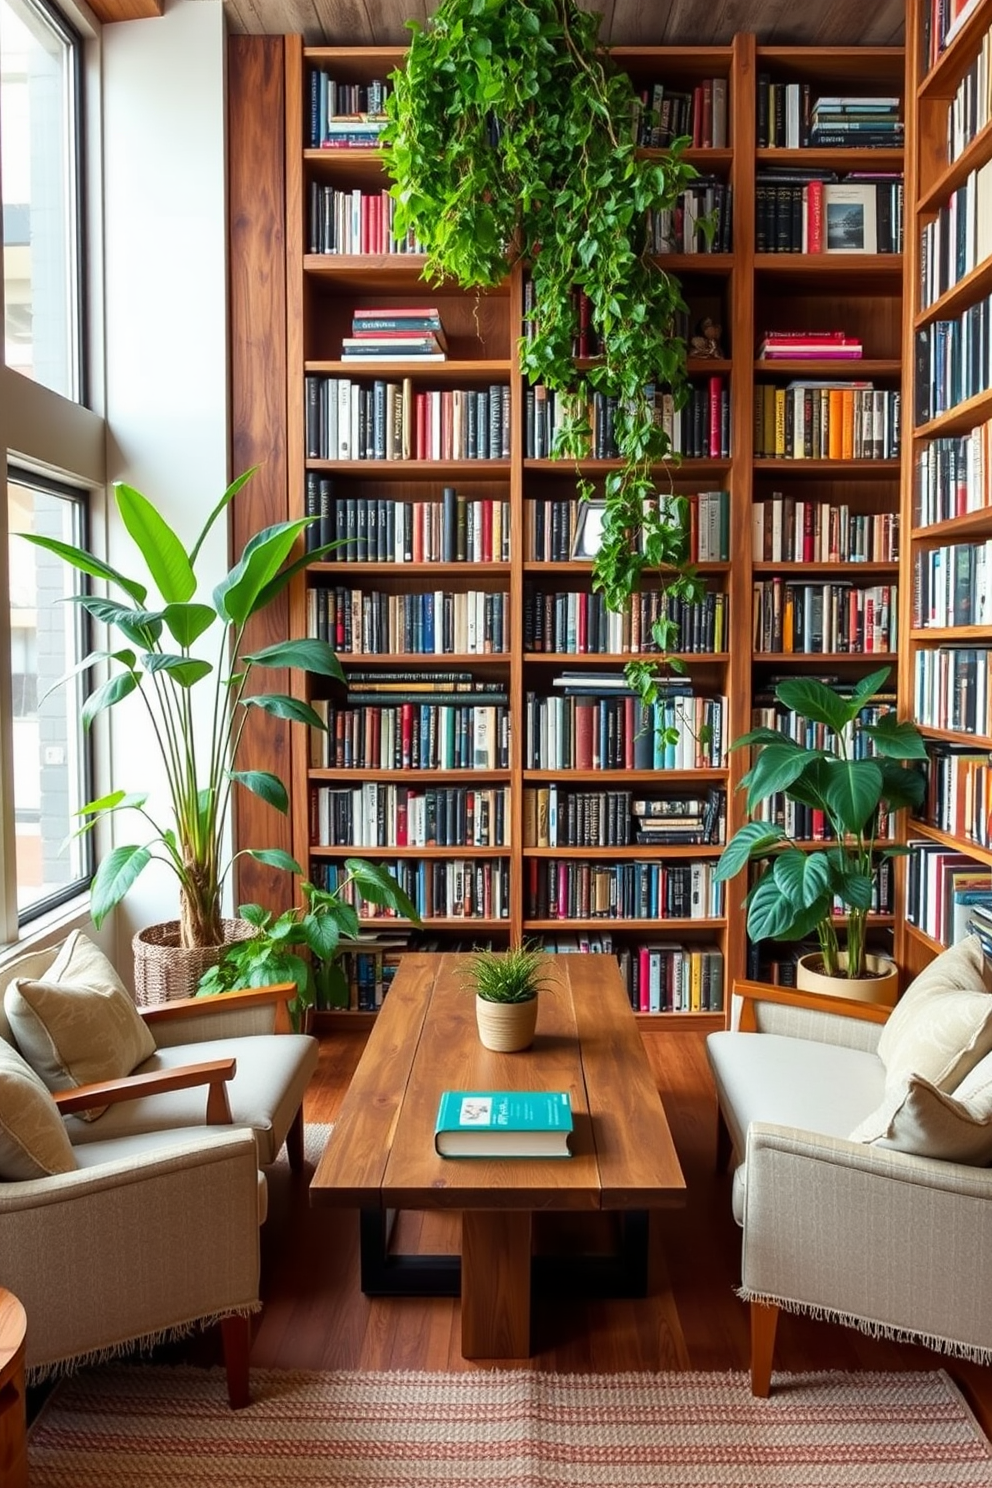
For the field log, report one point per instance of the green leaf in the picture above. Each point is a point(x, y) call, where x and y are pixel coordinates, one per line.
point(222, 504)
point(775, 768)
point(255, 914)
point(323, 935)
point(236, 596)
point(116, 801)
point(379, 887)
point(167, 560)
point(752, 841)
point(855, 888)
point(896, 739)
point(853, 793)
point(187, 622)
point(264, 784)
point(285, 707)
point(902, 786)
point(114, 878)
point(309, 655)
point(770, 915)
point(143, 627)
point(87, 564)
point(274, 857)
point(866, 689)
point(114, 690)
point(814, 700)
point(802, 877)
point(185, 671)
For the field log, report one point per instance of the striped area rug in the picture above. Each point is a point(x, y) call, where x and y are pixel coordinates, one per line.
point(152, 1426)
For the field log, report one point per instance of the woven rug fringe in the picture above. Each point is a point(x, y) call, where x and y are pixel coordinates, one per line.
point(36, 1374)
point(973, 1352)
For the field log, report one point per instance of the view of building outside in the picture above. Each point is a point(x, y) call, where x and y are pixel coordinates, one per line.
point(38, 176)
point(46, 636)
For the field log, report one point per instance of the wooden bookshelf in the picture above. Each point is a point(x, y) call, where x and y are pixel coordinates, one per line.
point(931, 179)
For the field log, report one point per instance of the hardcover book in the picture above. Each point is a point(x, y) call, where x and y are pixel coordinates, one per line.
point(504, 1123)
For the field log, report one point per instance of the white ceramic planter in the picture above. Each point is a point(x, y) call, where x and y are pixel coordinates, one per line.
point(883, 987)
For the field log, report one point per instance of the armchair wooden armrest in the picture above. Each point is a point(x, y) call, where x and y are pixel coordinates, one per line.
point(213, 1073)
point(818, 1002)
point(280, 993)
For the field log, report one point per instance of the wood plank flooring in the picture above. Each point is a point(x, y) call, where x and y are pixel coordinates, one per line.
point(316, 1317)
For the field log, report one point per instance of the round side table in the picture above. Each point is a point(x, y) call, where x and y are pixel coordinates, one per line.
point(13, 1417)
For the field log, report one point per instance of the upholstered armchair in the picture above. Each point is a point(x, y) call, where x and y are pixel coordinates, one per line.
point(862, 1140)
point(130, 1148)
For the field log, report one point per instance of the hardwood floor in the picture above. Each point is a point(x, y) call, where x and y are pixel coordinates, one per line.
point(316, 1317)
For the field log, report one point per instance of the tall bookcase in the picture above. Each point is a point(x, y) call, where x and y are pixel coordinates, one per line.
point(747, 292)
point(946, 663)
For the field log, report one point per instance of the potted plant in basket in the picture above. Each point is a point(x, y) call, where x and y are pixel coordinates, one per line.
point(168, 647)
point(795, 890)
point(506, 986)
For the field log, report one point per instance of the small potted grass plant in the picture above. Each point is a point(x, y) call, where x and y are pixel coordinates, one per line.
point(506, 985)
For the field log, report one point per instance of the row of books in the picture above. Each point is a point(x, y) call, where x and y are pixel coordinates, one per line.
point(959, 791)
point(809, 346)
point(578, 623)
point(467, 735)
point(635, 889)
point(942, 20)
point(824, 618)
point(951, 688)
point(701, 221)
point(971, 107)
point(810, 211)
point(433, 622)
point(672, 978)
point(953, 360)
point(942, 888)
point(664, 114)
point(953, 476)
point(951, 585)
point(805, 823)
point(583, 731)
point(550, 527)
point(959, 238)
point(366, 974)
point(813, 735)
point(554, 817)
point(699, 430)
point(354, 222)
point(371, 529)
point(817, 420)
point(344, 115)
point(789, 117)
point(786, 529)
point(347, 420)
point(372, 815)
point(440, 888)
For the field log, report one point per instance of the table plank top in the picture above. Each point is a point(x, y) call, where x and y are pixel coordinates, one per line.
point(381, 1151)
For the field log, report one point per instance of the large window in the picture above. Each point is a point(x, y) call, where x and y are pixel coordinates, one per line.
point(47, 641)
point(39, 171)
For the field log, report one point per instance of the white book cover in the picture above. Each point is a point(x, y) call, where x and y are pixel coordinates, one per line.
point(849, 217)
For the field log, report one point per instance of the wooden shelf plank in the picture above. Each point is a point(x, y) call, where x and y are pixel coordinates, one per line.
point(976, 153)
point(817, 660)
point(427, 850)
point(443, 371)
point(865, 158)
point(826, 564)
point(956, 736)
point(341, 774)
point(959, 419)
point(630, 851)
point(704, 775)
point(621, 658)
point(956, 299)
point(967, 633)
point(860, 271)
point(436, 471)
point(344, 570)
point(949, 839)
point(970, 524)
point(866, 469)
point(950, 67)
point(659, 926)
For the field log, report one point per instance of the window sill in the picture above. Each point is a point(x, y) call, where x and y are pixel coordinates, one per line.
point(49, 929)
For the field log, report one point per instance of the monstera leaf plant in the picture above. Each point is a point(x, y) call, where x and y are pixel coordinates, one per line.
point(171, 646)
point(512, 137)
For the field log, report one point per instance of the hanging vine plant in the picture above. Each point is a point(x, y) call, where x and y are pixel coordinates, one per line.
point(512, 137)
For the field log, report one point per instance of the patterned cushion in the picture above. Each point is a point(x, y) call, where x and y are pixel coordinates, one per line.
point(942, 1025)
point(917, 1117)
point(78, 1024)
point(33, 1139)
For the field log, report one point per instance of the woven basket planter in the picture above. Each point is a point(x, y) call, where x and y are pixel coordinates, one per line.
point(164, 971)
point(506, 1027)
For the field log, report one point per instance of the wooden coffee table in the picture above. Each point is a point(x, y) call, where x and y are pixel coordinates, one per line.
point(380, 1156)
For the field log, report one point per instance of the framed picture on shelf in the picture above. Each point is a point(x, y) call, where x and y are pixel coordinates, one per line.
point(588, 536)
point(849, 217)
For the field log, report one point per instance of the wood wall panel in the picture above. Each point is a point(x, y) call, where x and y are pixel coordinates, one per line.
point(257, 289)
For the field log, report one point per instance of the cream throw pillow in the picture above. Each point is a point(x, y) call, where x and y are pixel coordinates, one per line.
point(33, 1138)
point(942, 1025)
point(78, 1024)
point(917, 1117)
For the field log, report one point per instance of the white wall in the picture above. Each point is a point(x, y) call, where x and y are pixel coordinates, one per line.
point(165, 239)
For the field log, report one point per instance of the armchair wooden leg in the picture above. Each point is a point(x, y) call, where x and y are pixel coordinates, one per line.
point(294, 1143)
point(724, 1145)
point(764, 1319)
point(236, 1332)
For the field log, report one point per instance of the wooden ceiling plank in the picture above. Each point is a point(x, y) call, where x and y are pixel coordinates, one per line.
point(348, 23)
point(109, 11)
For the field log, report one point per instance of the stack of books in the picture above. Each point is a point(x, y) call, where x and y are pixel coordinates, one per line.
point(856, 122)
point(406, 335)
point(811, 346)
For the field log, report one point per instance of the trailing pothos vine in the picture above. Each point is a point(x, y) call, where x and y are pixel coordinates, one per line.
point(512, 137)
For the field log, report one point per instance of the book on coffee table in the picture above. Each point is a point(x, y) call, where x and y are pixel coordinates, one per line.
point(503, 1123)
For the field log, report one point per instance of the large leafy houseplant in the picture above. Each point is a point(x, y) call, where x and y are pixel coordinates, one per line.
point(171, 647)
point(794, 891)
point(512, 137)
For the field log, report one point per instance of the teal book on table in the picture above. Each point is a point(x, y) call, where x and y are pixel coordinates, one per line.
point(504, 1123)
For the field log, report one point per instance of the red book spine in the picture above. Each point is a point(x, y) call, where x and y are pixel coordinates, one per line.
point(401, 827)
point(487, 529)
point(814, 222)
point(582, 624)
point(716, 391)
point(644, 979)
point(809, 532)
point(698, 137)
point(584, 730)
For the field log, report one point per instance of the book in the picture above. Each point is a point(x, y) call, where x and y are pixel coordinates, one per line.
point(503, 1123)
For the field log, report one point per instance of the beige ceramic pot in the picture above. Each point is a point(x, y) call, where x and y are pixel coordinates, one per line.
point(883, 987)
point(506, 1027)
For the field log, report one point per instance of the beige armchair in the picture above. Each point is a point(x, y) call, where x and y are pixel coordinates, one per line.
point(862, 1141)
